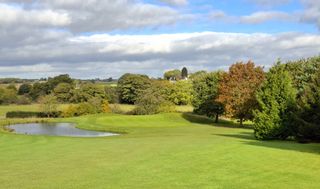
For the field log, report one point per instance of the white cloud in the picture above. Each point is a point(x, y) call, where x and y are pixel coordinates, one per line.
point(91, 16)
point(311, 14)
point(264, 16)
point(175, 2)
point(10, 15)
point(268, 3)
point(112, 55)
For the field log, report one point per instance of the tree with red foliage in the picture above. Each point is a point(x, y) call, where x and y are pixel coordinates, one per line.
point(237, 90)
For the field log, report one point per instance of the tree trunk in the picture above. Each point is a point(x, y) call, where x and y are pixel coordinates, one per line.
point(217, 118)
point(241, 122)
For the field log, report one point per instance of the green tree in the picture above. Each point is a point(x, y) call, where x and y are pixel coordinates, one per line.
point(49, 104)
point(39, 89)
point(63, 92)
point(181, 92)
point(152, 101)
point(237, 90)
point(211, 109)
point(130, 85)
point(307, 118)
point(55, 81)
point(302, 72)
point(24, 89)
point(172, 75)
point(205, 88)
point(276, 99)
point(12, 87)
point(111, 94)
point(8, 96)
point(87, 91)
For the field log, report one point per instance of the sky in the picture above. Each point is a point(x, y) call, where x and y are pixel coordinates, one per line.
point(107, 38)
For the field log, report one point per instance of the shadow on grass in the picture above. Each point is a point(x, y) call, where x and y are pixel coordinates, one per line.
point(199, 119)
point(241, 135)
point(277, 144)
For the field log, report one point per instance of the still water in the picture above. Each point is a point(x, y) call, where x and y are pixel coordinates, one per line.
point(56, 129)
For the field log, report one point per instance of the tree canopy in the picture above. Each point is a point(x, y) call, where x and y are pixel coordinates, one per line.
point(237, 89)
point(130, 85)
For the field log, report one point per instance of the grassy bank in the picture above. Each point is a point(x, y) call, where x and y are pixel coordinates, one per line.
point(159, 151)
point(36, 107)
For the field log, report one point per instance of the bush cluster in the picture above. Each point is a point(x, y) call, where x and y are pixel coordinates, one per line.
point(23, 114)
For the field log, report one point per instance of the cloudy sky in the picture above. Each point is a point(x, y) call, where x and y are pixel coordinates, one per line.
point(107, 38)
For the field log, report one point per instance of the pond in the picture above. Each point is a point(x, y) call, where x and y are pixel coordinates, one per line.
point(56, 129)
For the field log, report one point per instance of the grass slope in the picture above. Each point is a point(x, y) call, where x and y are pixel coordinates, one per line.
point(158, 151)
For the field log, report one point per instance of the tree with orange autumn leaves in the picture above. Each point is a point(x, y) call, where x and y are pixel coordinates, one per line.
point(237, 90)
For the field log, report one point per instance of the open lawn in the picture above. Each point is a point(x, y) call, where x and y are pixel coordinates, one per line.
point(159, 151)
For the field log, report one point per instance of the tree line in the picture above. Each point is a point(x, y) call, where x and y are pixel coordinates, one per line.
point(283, 102)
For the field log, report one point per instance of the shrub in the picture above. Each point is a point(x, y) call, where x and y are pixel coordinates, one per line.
point(152, 101)
point(116, 108)
point(23, 100)
point(70, 111)
point(49, 104)
point(106, 107)
point(93, 106)
point(23, 114)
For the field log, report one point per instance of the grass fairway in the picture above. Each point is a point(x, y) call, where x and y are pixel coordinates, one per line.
point(159, 151)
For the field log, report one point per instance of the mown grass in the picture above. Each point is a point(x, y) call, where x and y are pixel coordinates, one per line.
point(177, 150)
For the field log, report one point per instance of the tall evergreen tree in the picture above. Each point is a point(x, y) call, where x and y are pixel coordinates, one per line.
point(307, 118)
point(276, 99)
point(184, 73)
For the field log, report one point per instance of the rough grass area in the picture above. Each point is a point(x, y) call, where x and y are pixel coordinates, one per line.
point(36, 107)
point(160, 151)
point(30, 108)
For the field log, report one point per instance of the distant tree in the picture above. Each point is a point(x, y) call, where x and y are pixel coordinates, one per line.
point(181, 92)
point(152, 101)
point(276, 102)
point(63, 92)
point(39, 89)
point(197, 74)
point(87, 91)
point(109, 79)
point(172, 75)
point(8, 96)
point(130, 85)
point(237, 90)
point(24, 89)
point(53, 82)
point(307, 118)
point(49, 104)
point(111, 94)
point(12, 87)
point(184, 73)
